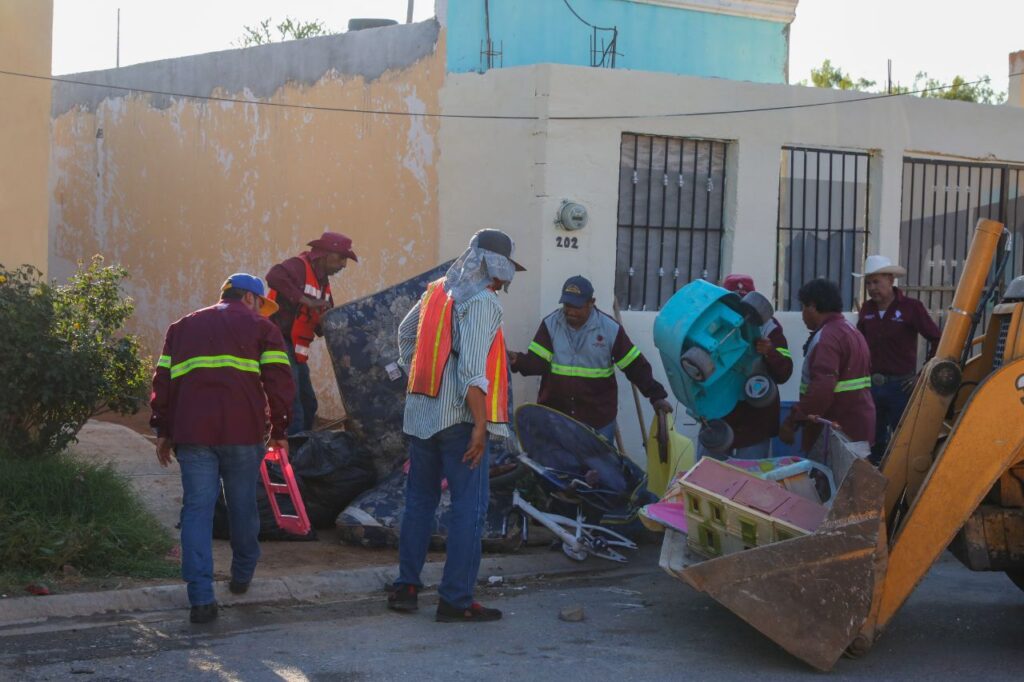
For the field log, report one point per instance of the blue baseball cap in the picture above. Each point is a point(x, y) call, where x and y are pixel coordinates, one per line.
point(254, 285)
point(577, 291)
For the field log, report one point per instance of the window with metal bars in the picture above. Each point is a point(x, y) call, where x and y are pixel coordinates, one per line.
point(823, 220)
point(942, 201)
point(670, 223)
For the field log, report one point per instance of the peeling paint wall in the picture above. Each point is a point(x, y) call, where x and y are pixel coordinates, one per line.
point(184, 191)
point(25, 40)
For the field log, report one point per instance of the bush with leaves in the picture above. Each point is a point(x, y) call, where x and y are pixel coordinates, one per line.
point(65, 357)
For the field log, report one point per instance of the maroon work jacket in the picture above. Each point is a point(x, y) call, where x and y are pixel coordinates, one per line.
point(892, 337)
point(223, 370)
point(835, 352)
point(752, 425)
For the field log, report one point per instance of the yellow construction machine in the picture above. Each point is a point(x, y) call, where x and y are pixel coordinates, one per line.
point(953, 477)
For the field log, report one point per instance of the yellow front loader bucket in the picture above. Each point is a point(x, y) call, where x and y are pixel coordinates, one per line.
point(958, 445)
point(812, 594)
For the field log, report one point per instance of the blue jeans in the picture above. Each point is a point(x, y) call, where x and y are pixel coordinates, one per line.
point(432, 459)
point(202, 469)
point(890, 402)
point(305, 405)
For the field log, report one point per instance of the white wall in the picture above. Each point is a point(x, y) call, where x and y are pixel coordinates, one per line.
point(517, 173)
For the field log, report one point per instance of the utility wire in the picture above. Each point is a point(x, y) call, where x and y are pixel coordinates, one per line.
point(499, 117)
point(576, 14)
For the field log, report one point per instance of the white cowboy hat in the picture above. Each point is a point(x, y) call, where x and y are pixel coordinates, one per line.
point(880, 265)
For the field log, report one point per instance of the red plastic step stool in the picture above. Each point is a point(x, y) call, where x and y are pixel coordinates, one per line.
point(296, 524)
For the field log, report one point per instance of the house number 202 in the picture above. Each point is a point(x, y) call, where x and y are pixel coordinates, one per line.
point(567, 242)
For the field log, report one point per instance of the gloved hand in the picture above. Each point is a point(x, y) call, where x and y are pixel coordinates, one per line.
point(662, 405)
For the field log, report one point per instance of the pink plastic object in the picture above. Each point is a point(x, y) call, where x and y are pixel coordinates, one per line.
point(296, 525)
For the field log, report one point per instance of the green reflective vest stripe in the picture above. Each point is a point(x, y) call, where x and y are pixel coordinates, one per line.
point(164, 361)
point(628, 358)
point(274, 357)
point(214, 362)
point(540, 351)
point(784, 352)
point(584, 372)
point(846, 385)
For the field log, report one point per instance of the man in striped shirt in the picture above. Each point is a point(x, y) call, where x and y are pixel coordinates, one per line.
point(222, 374)
point(454, 333)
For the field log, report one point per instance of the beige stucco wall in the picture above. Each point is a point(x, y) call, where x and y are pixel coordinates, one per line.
point(184, 191)
point(534, 165)
point(25, 40)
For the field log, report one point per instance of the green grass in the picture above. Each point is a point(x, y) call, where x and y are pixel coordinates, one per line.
point(59, 511)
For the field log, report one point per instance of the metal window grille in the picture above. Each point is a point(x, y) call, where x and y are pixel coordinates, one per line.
point(941, 204)
point(670, 223)
point(823, 220)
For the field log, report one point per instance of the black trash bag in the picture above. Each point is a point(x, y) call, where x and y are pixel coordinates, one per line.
point(330, 473)
point(374, 518)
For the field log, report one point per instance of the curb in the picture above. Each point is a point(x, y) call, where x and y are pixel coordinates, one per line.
point(300, 588)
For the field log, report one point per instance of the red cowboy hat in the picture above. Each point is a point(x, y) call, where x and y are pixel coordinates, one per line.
point(335, 242)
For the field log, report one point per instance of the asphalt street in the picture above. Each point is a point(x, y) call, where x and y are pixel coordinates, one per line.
point(639, 624)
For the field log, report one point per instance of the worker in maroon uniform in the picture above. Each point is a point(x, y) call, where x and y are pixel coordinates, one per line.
point(754, 427)
point(222, 374)
point(576, 351)
point(891, 321)
point(301, 287)
point(835, 381)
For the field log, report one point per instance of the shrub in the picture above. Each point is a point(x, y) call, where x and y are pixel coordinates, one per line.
point(65, 356)
point(57, 511)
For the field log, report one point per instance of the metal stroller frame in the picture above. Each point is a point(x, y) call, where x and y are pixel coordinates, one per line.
point(579, 537)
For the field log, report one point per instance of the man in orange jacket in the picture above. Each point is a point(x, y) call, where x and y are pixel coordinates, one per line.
point(301, 287)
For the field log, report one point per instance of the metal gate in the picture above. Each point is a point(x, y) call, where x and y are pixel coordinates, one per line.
point(671, 208)
point(823, 221)
point(941, 204)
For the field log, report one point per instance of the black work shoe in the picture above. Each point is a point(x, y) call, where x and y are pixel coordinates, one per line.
point(238, 588)
point(474, 613)
point(204, 613)
point(403, 598)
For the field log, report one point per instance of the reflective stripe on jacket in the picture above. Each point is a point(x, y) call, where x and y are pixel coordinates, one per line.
point(222, 374)
point(577, 367)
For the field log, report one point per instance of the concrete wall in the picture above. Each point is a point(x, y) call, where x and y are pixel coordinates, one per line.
point(25, 40)
point(184, 191)
point(530, 167)
point(675, 36)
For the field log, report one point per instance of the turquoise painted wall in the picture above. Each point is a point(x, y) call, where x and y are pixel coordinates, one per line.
point(651, 38)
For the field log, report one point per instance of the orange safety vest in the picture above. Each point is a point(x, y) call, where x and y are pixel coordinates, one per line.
point(434, 348)
point(306, 319)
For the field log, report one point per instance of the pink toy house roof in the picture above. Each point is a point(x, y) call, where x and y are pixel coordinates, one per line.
point(750, 491)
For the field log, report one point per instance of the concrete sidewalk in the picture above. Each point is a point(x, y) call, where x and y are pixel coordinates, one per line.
point(308, 588)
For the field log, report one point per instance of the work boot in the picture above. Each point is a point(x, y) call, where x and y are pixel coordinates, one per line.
point(403, 598)
point(204, 613)
point(237, 587)
point(474, 613)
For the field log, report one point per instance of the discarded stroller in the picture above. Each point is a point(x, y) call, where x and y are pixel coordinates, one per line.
point(577, 467)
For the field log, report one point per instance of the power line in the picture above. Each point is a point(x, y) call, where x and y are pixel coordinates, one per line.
point(499, 117)
point(576, 14)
